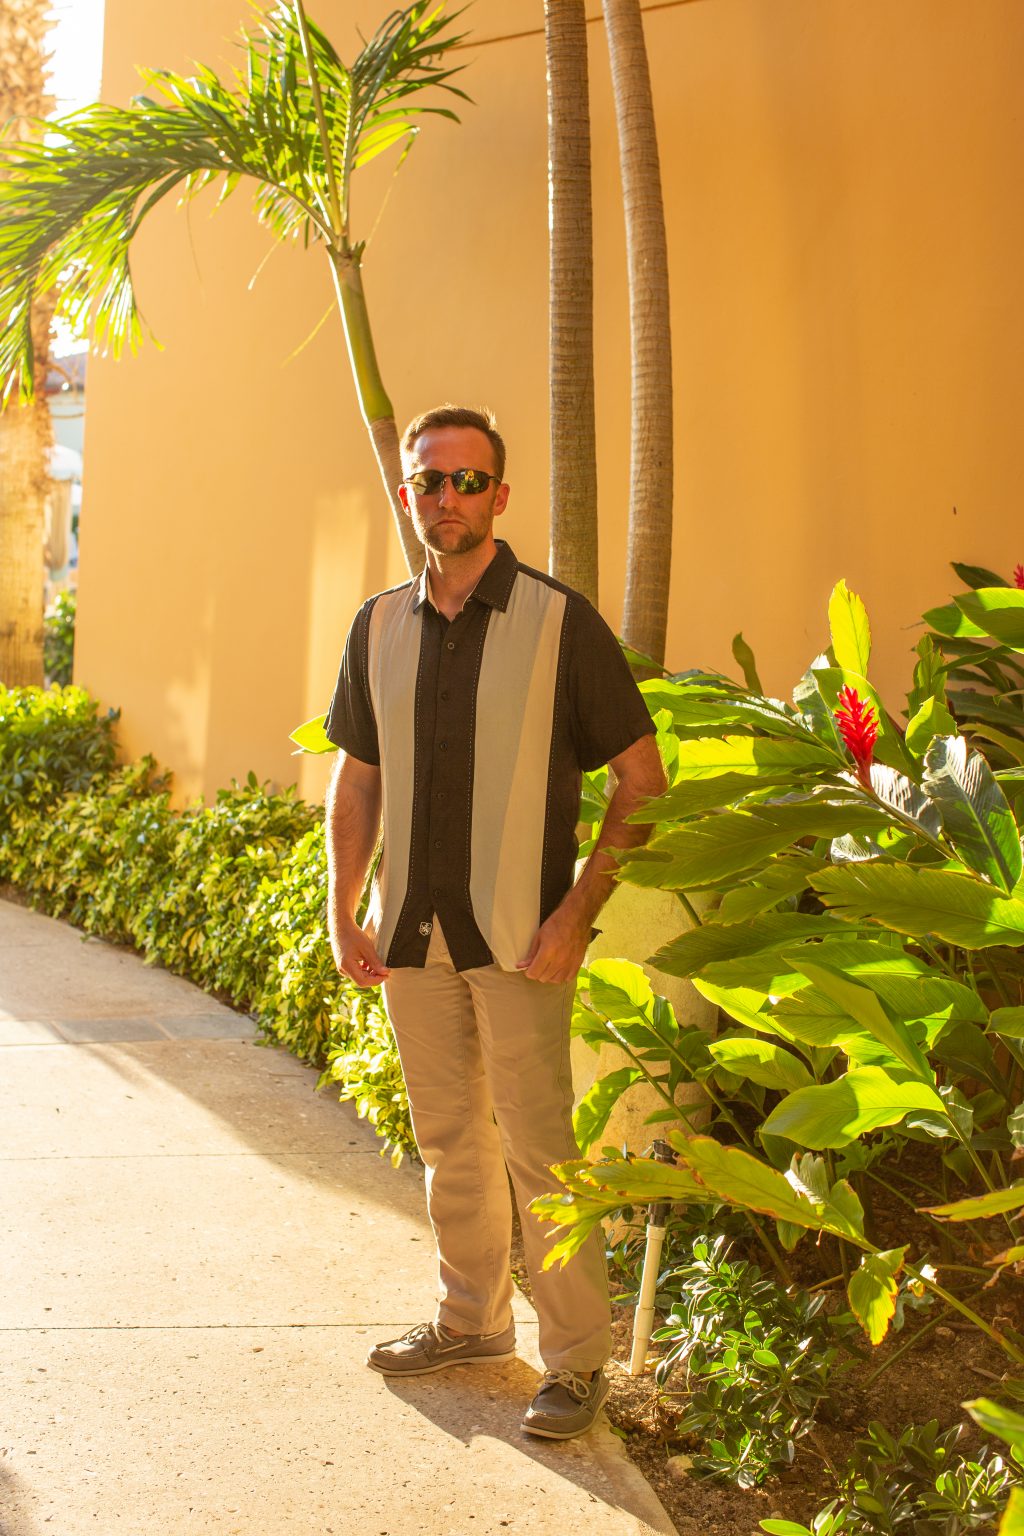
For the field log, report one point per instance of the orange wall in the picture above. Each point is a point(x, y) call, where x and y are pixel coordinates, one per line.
point(844, 222)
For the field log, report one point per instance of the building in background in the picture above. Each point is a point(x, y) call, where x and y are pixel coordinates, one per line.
point(844, 225)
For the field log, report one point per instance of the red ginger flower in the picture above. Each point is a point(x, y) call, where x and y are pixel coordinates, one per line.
point(858, 726)
point(1018, 576)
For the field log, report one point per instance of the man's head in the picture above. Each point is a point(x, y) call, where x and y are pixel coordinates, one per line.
point(449, 415)
point(453, 513)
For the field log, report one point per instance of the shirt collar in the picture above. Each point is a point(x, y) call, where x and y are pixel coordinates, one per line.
point(494, 587)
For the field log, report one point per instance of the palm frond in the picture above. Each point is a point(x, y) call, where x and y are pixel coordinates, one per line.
point(70, 206)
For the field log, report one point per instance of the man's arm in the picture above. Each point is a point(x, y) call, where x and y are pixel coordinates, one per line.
point(557, 951)
point(351, 825)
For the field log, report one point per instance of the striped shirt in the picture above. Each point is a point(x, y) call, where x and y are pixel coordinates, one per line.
point(482, 727)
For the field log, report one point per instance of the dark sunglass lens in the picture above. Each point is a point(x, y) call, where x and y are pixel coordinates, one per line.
point(427, 483)
point(470, 482)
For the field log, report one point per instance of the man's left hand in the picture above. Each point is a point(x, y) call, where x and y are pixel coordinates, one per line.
point(558, 949)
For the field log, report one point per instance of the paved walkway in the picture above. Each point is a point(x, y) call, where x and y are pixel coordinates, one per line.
point(195, 1251)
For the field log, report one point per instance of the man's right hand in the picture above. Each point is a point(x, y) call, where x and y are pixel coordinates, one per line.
point(356, 958)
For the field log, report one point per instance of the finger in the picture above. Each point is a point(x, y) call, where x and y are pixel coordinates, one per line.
point(531, 954)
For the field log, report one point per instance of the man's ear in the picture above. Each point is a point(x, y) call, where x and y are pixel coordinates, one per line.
point(403, 496)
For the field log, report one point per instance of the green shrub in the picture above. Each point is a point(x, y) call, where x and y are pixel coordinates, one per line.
point(59, 639)
point(759, 1360)
point(52, 741)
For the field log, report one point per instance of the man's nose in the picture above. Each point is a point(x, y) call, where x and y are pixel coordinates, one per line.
point(446, 495)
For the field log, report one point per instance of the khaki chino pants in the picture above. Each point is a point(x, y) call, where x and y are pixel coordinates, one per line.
point(485, 1055)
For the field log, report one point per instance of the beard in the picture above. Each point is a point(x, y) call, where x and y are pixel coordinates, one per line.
point(451, 541)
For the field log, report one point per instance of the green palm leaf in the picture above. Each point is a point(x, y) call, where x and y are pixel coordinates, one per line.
point(957, 908)
point(70, 207)
point(976, 815)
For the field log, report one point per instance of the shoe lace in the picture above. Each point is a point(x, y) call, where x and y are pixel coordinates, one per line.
point(577, 1386)
point(421, 1331)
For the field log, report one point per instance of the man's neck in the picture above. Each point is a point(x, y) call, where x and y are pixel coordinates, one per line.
point(451, 578)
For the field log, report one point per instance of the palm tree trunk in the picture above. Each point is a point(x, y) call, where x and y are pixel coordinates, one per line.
point(26, 432)
point(377, 410)
point(649, 555)
point(573, 539)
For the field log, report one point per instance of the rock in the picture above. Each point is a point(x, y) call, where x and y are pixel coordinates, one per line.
point(679, 1466)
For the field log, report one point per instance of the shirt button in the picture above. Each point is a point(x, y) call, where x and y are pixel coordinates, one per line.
point(437, 892)
point(443, 745)
point(440, 794)
point(444, 693)
point(438, 843)
point(451, 645)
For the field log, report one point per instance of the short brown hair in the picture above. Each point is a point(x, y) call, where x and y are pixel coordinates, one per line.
point(449, 415)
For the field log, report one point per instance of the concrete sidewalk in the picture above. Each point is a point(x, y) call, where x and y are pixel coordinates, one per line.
point(195, 1252)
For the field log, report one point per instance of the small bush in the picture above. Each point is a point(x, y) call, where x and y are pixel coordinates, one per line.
point(59, 639)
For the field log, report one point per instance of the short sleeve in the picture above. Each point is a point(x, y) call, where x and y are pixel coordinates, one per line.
point(608, 712)
point(350, 722)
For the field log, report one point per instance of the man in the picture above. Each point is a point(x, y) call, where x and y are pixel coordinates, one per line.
point(468, 702)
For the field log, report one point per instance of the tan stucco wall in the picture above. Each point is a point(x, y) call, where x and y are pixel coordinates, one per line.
point(845, 226)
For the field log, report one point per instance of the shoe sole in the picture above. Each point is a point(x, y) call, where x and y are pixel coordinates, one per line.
point(439, 1365)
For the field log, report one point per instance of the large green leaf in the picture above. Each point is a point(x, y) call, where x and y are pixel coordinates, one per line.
point(709, 756)
point(996, 611)
point(872, 1291)
point(781, 878)
point(995, 1203)
point(976, 815)
point(957, 908)
point(311, 736)
point(1012, 1523)
point(996, 1419)
point(593, 1191)
point(949, 620)
point(720, 846)
point(693, 950)
point(977, 575)
point(1008, 1022)
point(851, 632)
point(730, 1174)
point(909, 987)
point(694, 797)
point(834, 1114)
point(618, 988)
point(592, 1111)
point(864, 1007)
point(908, 804)
point(932, 719)
point(762, 1062)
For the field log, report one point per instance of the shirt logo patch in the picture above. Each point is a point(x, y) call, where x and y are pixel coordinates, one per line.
point(425, 928)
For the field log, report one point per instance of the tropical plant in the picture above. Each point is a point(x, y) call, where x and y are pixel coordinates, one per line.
point(758, 1361)
point(26, 431)
point(573, 516)
point(984, 674)
point(866, 953)
point(297, 121)
point(1008, 1424)
point(649, 544)
point(915, 1482)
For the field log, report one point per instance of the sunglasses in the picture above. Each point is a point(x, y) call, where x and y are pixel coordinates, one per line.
point(466, 482)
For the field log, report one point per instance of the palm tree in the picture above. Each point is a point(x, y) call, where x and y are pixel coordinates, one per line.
point(25, 431)
point(573, 556)
point(297, 121)
point(648, 566)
